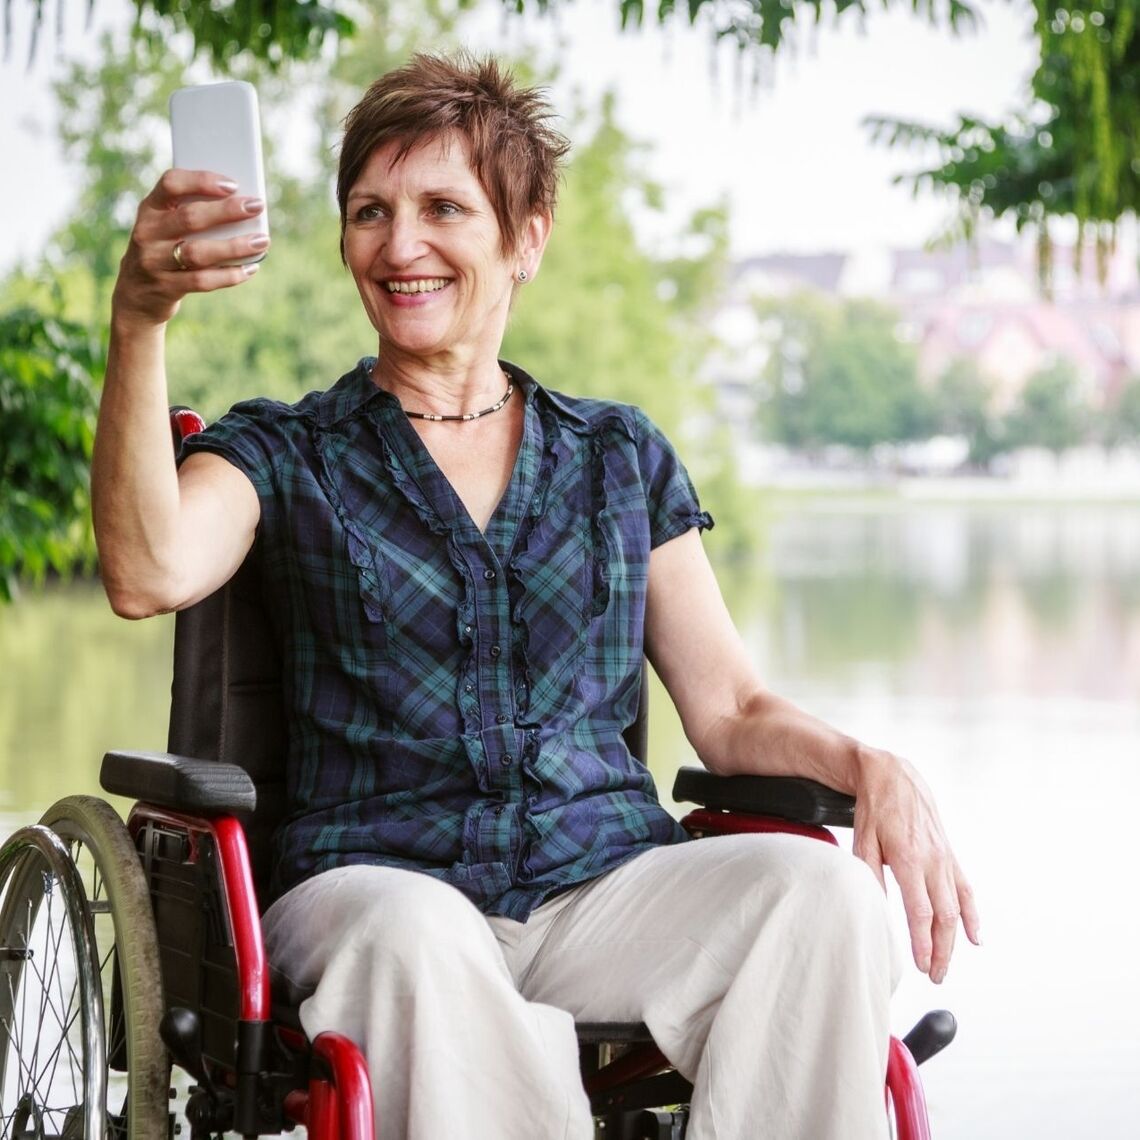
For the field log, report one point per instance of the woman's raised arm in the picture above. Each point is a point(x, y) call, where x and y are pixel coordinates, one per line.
point(166, 537)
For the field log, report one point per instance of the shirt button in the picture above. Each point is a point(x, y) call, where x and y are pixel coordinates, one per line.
point(501, 718)
point(495, 651)
point(507, 760)
point(469, 688)
point(466, 629)
point(489, 575)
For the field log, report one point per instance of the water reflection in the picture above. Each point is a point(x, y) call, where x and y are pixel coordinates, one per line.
point(954, 599)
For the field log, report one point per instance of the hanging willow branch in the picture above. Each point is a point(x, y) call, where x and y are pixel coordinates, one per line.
point(1072, 153)
point(269, 30)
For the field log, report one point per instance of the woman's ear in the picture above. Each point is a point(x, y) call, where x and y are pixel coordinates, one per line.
point(531, 246)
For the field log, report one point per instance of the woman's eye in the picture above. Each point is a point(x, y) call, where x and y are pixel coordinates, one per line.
point(447, 209)
point(368, 213)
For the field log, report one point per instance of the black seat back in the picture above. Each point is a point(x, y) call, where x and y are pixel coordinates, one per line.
point(227, 702)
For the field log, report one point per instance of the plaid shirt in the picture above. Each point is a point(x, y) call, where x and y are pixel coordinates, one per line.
point(456, 697)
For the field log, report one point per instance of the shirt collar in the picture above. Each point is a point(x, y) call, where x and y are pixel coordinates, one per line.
point(354, 391)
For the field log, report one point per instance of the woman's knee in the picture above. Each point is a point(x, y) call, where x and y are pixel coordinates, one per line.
point(367, 918)
point(818, 885)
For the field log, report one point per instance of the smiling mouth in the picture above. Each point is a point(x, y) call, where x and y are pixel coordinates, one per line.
point(422, 285)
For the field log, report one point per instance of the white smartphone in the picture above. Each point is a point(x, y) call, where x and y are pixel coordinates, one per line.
point(216, 127)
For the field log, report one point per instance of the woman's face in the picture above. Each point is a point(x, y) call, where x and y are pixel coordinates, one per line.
point(423, 245)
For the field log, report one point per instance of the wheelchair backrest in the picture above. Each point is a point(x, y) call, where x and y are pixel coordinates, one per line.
point(227, 702)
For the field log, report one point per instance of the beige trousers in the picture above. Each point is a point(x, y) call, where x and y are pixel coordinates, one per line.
point(763, 966)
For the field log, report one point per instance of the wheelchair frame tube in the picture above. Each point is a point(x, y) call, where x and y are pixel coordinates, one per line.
point(241, 900)
point(905, 1089)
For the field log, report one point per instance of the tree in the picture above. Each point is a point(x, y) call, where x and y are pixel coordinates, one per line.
point(604, 318)
point(1050, 412)
point(1069, 152)
point(838, 374)
point(961, 404)
point(1119, 423)
point(49, 368)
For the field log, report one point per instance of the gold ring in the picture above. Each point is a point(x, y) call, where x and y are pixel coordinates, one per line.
point(176, 253)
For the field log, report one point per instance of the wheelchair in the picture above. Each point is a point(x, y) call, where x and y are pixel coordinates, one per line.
point(126, 947)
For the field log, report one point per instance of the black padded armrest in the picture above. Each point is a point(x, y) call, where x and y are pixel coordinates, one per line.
point(789, 797)
point(178, 782)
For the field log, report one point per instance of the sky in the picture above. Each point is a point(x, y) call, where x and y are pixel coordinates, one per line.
point(792, 157)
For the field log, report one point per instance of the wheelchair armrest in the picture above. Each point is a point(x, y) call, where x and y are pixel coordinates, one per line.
point(788, 797)
point(205, 787)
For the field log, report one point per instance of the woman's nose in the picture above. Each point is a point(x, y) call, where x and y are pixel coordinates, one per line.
point(404, 241)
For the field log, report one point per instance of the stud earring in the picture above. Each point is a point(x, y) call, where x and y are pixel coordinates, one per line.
point(523, 275)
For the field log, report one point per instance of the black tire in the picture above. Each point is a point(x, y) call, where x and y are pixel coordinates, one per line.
point(134, 1078)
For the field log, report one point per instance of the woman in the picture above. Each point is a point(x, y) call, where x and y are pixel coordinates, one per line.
point(465, 570)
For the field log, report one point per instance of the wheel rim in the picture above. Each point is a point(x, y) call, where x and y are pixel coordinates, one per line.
point(103, 927)
point(52, 1044)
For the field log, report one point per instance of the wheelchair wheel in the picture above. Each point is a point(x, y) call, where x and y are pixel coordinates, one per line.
point(80, 1054)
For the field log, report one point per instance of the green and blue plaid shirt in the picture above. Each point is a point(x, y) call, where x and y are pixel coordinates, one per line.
point(457, 698)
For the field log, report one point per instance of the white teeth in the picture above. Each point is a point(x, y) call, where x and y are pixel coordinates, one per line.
point(423, 285)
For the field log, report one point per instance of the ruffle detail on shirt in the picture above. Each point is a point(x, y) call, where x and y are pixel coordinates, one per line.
point(599, 504)
point(373, 588)
point(536, 509)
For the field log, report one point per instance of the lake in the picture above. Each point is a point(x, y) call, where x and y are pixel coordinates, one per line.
point(997, 646)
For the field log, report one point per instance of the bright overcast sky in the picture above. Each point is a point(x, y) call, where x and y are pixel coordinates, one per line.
point(798, 167)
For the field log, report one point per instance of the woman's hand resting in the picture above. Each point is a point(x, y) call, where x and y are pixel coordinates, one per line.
point(897, 825)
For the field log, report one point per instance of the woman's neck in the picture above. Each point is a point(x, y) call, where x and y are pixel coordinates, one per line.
point(441, 389)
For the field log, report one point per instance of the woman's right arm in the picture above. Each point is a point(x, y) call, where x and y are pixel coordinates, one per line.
point(166, 536)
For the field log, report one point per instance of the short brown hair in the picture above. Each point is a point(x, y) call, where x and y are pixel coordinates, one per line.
point(515, 153)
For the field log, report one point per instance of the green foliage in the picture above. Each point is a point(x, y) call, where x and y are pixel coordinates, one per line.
point(1120, 422)
point(763, 25)
point(597, 320)
point(112, 128)
point(838, 374)
point(962, 402)
point(295, 327)
point(272, 31)
point(1070, 152)
point(1049, 412)
point(49, 368)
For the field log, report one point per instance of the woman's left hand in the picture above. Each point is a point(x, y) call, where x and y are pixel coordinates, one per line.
point(897, 826)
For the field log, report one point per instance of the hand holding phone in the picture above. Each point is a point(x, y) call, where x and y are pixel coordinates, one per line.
point(216, 127)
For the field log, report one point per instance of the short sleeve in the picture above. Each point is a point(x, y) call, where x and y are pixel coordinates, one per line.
point(671, 498)
point(245, 437)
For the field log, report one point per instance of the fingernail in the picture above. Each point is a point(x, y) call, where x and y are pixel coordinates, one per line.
point(228, 186)
point(251, 269)
point(253, 205)
point(259, 241)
